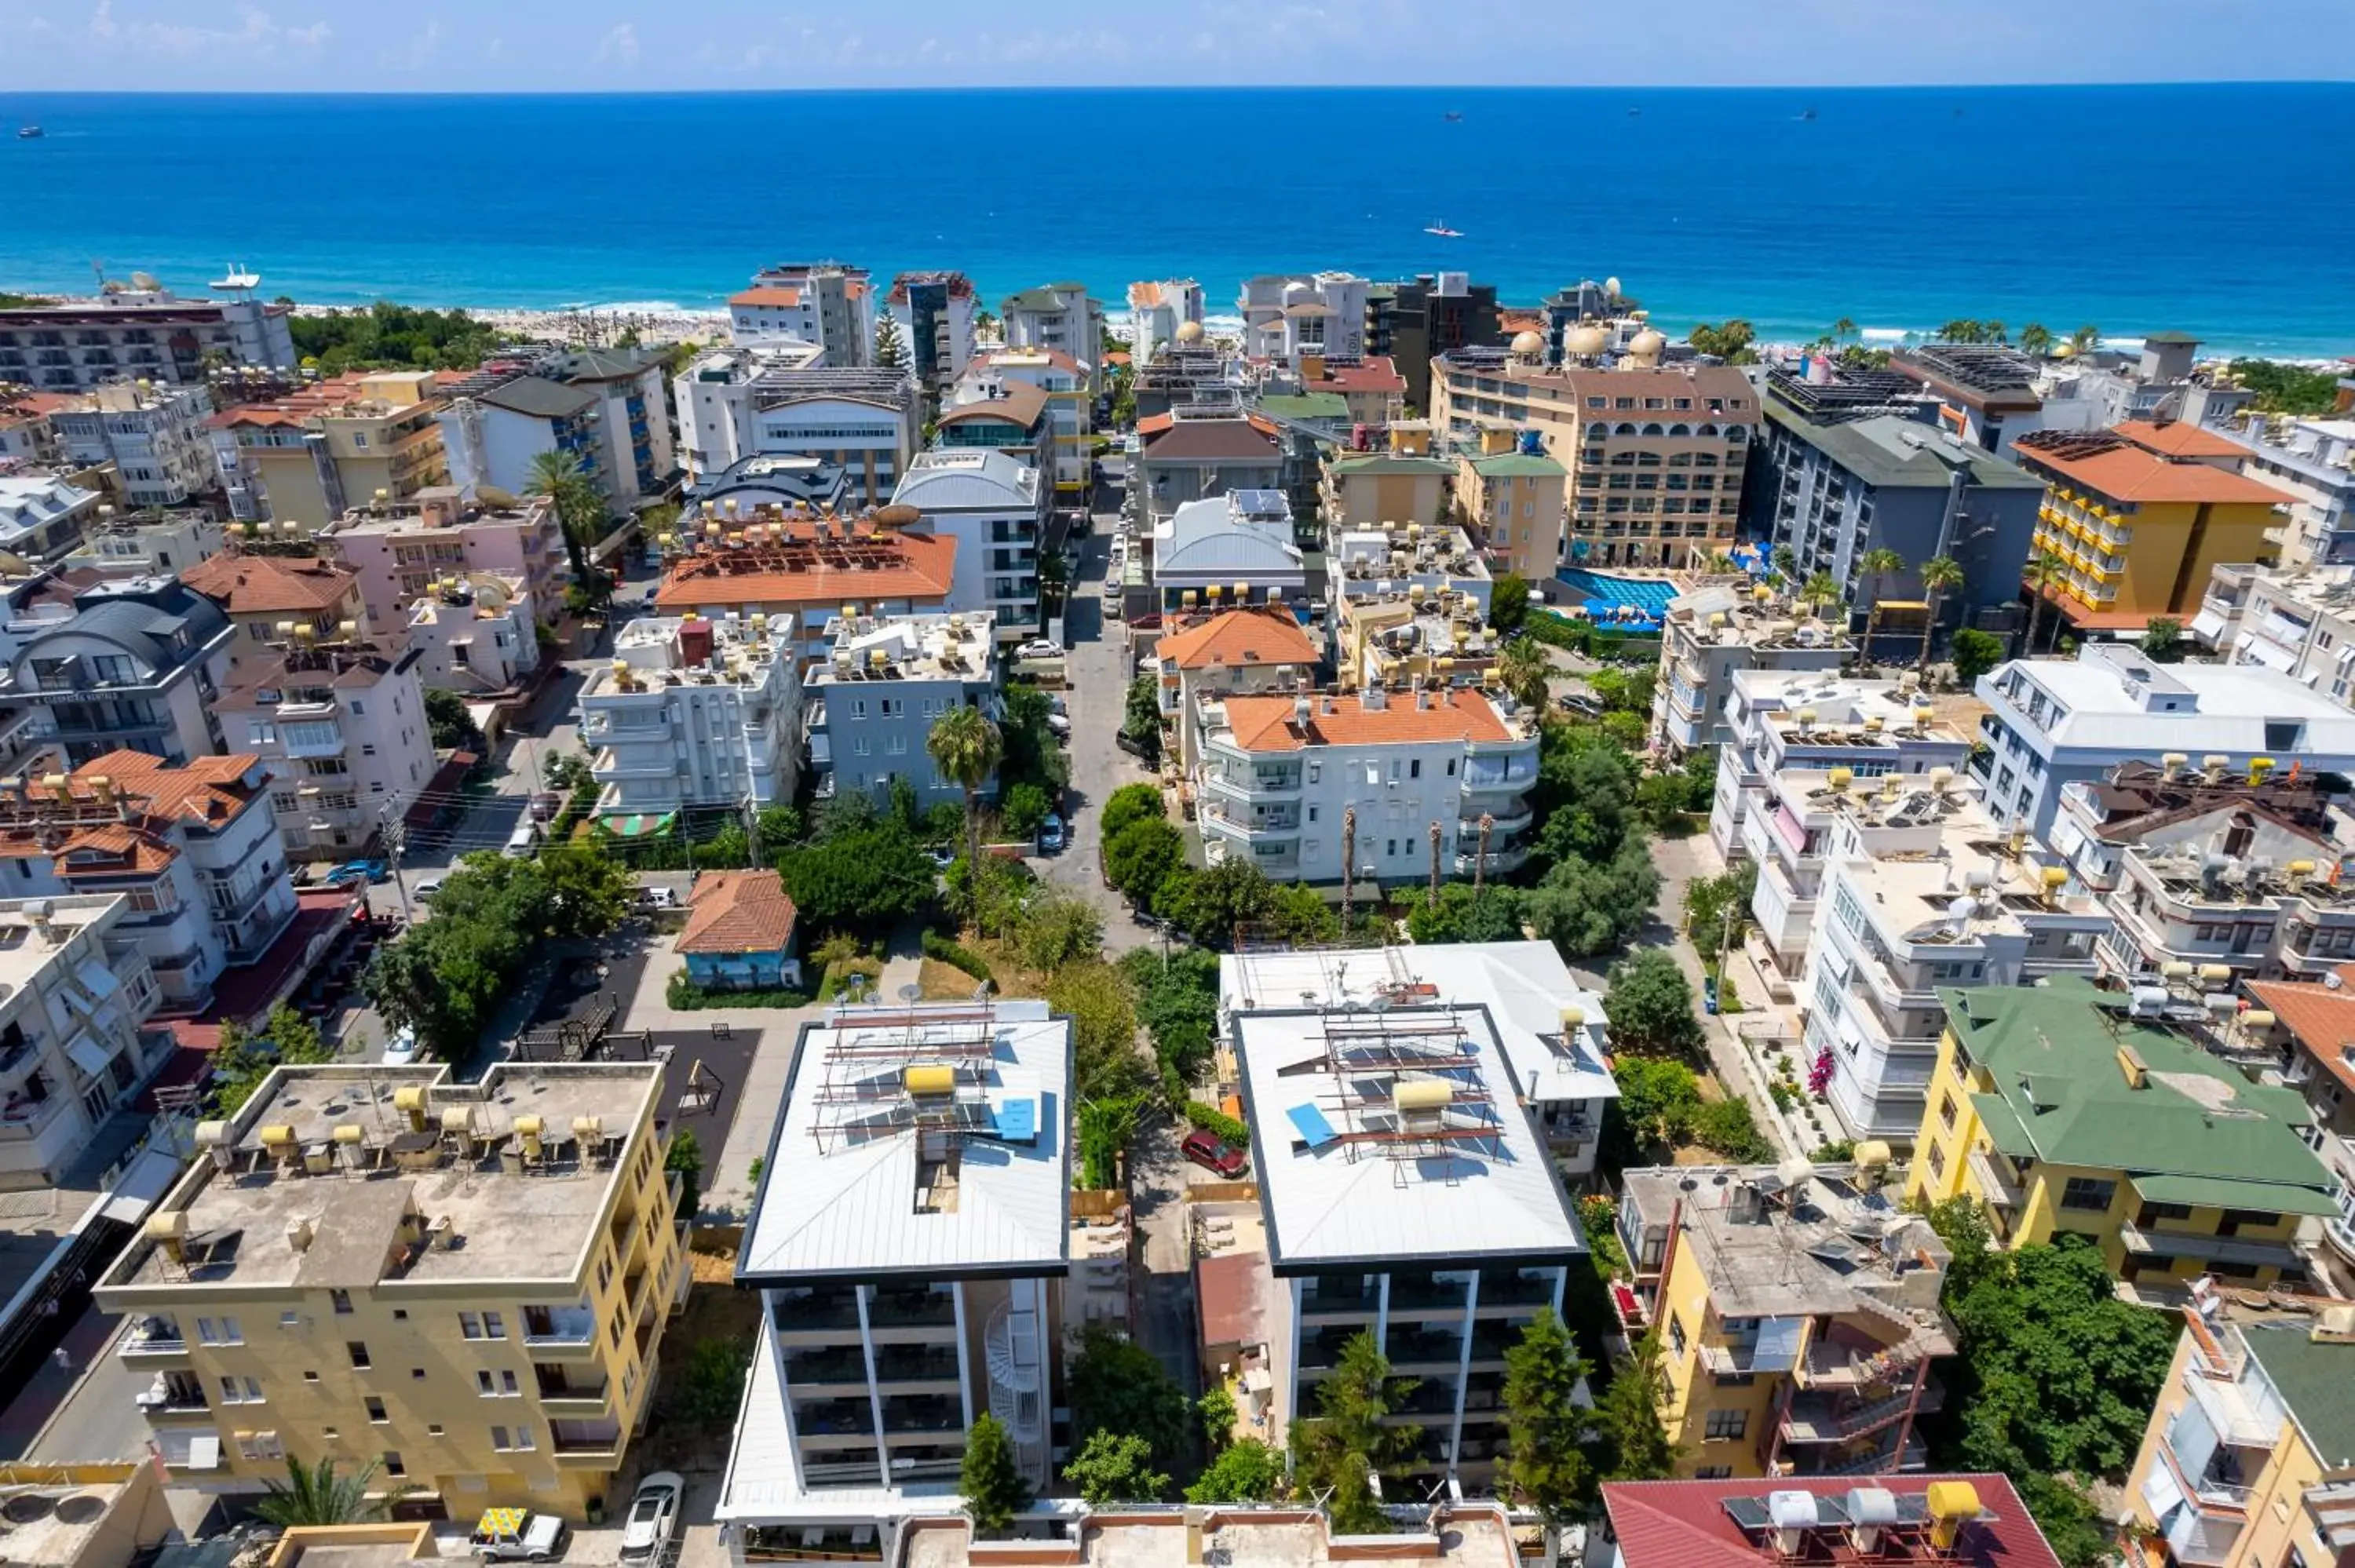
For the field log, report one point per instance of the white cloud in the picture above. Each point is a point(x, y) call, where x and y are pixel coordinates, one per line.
point(103, 24)
point(620, 44)
point(311, 37)
point(255, 31)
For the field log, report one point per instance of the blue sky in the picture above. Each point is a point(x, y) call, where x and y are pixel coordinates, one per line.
point(636, 45)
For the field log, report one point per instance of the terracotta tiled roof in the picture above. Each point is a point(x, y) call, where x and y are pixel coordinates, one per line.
point(1243, 440)
point(2125, 472)
point(1143, 294)
point(1239, 637)
point(1375, 375)
point(1020, 404)
point(1268, 724)
point(767, 295)
point(2322, 1019)
point(918, 566)
point(261, 585)
point(210, 791)
point(738, 912)
point(2180, 438)
point(125, 849)
point(1153, 424)
point(1683, 1524)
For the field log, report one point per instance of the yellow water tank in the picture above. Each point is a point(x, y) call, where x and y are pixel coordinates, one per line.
point(1425, 1095)
point(932, 1078)
point(1951, 1505)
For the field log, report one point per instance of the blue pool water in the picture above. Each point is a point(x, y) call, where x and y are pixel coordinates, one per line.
point(1603, 594)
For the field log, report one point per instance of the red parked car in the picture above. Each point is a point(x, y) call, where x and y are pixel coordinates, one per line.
point(1207, 1150)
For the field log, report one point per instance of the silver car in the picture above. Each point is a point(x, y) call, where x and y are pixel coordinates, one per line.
point(654, 1515)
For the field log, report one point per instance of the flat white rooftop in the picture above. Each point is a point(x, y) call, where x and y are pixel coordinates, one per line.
point(1389, 1126)
point(927, 1141)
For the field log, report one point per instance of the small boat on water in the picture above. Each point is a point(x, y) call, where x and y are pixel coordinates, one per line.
point(1439, 228)
point(29, 132)
point(1808, 112)
point(1453, 116)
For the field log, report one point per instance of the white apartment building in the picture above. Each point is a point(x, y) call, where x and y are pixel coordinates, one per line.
point(73, 994)
point(1155, 311)
point(632, 423)
point(824, 304)
point(2313, 463)
point(153, 432)
point(912, 1245)
point(193, 849)
point(695, 713)
point(1058, 318)
point(1405, 1188)
point(343, 732)
point(1875, 892)
point(1709, 634)
point(134, 662)
point(2300, 623)
point(1287, 314)
point(735, 403)
point(1439, 560)
point(143, 330)
point(492, 436)
point(872, 701)
point(1410, 637)
point(994, 507)
point(1286, 781)
point(2054, 722)
point(43, 518)
point(141, 546)
point(1780, 719)
point(1235, 549)
point(476, 633)
point(2211, 875)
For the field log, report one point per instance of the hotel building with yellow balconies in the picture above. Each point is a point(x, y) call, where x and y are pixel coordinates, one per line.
point(1798, 1308)
point(309, 457)
point(2062, 1109)
point(464, 1284)
point(2140, 516)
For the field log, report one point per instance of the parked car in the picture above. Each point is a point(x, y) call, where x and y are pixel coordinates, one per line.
point(426, 888)
point(1211, 1152)
point(401, 1049)
point(1039, 648)
point(658, 898)
point(524, 841)
point(652, 1515)
point(1051, 835)
point(1059, 726)
point(518, 1535)
point(546, 804)
point(357, 871)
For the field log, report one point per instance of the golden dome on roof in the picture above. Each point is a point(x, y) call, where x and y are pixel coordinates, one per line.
point(1189, 332)
point(1527, 340)
point(1586, 342)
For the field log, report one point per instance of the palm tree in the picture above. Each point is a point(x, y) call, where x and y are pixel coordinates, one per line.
point(966, 747)
point(1879, 564)
point(1940, 575)
point(1348, 863)
point(1821, 589)
point(2036, 339)
point(1843, 330)
point(1523, 670)
point(1480, 866)
point(1785, 560)
point(1435, 865)
point(2085, 337)
point(2045, 572)
point(321, 1497)
point(580, 510)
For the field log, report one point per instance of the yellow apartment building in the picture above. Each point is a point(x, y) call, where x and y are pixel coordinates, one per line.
point(1387, 489)
point(1513, 498)
point(313, 455)
point(2140, 514)
point(1798, 1308)
point(464, 1283)
point(2249, 1460)
point(2060, 1110)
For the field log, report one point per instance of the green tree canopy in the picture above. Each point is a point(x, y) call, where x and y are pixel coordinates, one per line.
point(1129, 803)
point(1208, 905)
point(1658, 1099)
point(317, 1495)
point(2287, 388)
point(1142, 853)
point(1974, 652)
point(1650, 1004)
point(863, 879)
point(1247, 1470)
point(1118, 1385)
point(1348, 1443)
point(1547, 1433)
point(1635, 1441)
point(1115, 1468)
point(2162, 639)
point(989, 1479)
point(1584, 907)
point(1508, 602)
point(966, 748)
point(1140, 720)
point(453, 727)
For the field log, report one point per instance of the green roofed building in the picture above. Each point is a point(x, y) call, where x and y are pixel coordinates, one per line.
point(2060, 1110)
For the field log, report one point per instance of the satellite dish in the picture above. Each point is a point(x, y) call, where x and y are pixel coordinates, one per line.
point(911, 993)
point(144, 282)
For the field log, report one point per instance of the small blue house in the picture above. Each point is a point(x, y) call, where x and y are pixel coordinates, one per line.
point(739, 932)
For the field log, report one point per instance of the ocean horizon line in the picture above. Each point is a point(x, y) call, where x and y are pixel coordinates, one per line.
point(2040, 84)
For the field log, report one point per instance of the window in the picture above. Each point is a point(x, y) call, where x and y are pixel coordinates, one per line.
point(1712, 1472)
point(515, 1441)
point(392, 1464)
point(498, 1385)
point(2089, 1193)
point(1724, 1426)
point(360, 1355)
point(240, 1390)
point(417, 1374)
point(1676, 1334)
point(1938, 1159)
point(342, 1299)
point(376, 1411)
point(1947, 1111)
point(218, 1332)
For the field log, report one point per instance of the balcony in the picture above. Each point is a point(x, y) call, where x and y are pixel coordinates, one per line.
point(153, 1342)
point(1501, 1292)
point(1320, 1301)
point(906, 1414)
point(1816, 1419)
point(560, 1394)
point(2257, 1251)
point(1997, 1185)
point(912, 1309)
point(1412, 1297)
point(171, 1395)
point(830, 1422)
point(1246, 784)
point(566, 1331)
point(1422, 1347)
point(911, 1366)
point(586, 1446)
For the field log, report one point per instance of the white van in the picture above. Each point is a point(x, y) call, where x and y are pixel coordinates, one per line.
point(524, 841)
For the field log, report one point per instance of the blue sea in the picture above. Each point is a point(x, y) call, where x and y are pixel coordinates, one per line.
point(2223, 210)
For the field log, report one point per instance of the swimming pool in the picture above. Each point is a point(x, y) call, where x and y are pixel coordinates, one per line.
point(1602, 593)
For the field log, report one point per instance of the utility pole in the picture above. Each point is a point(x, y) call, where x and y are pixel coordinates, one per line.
point(751, 831)
point(394, 835)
